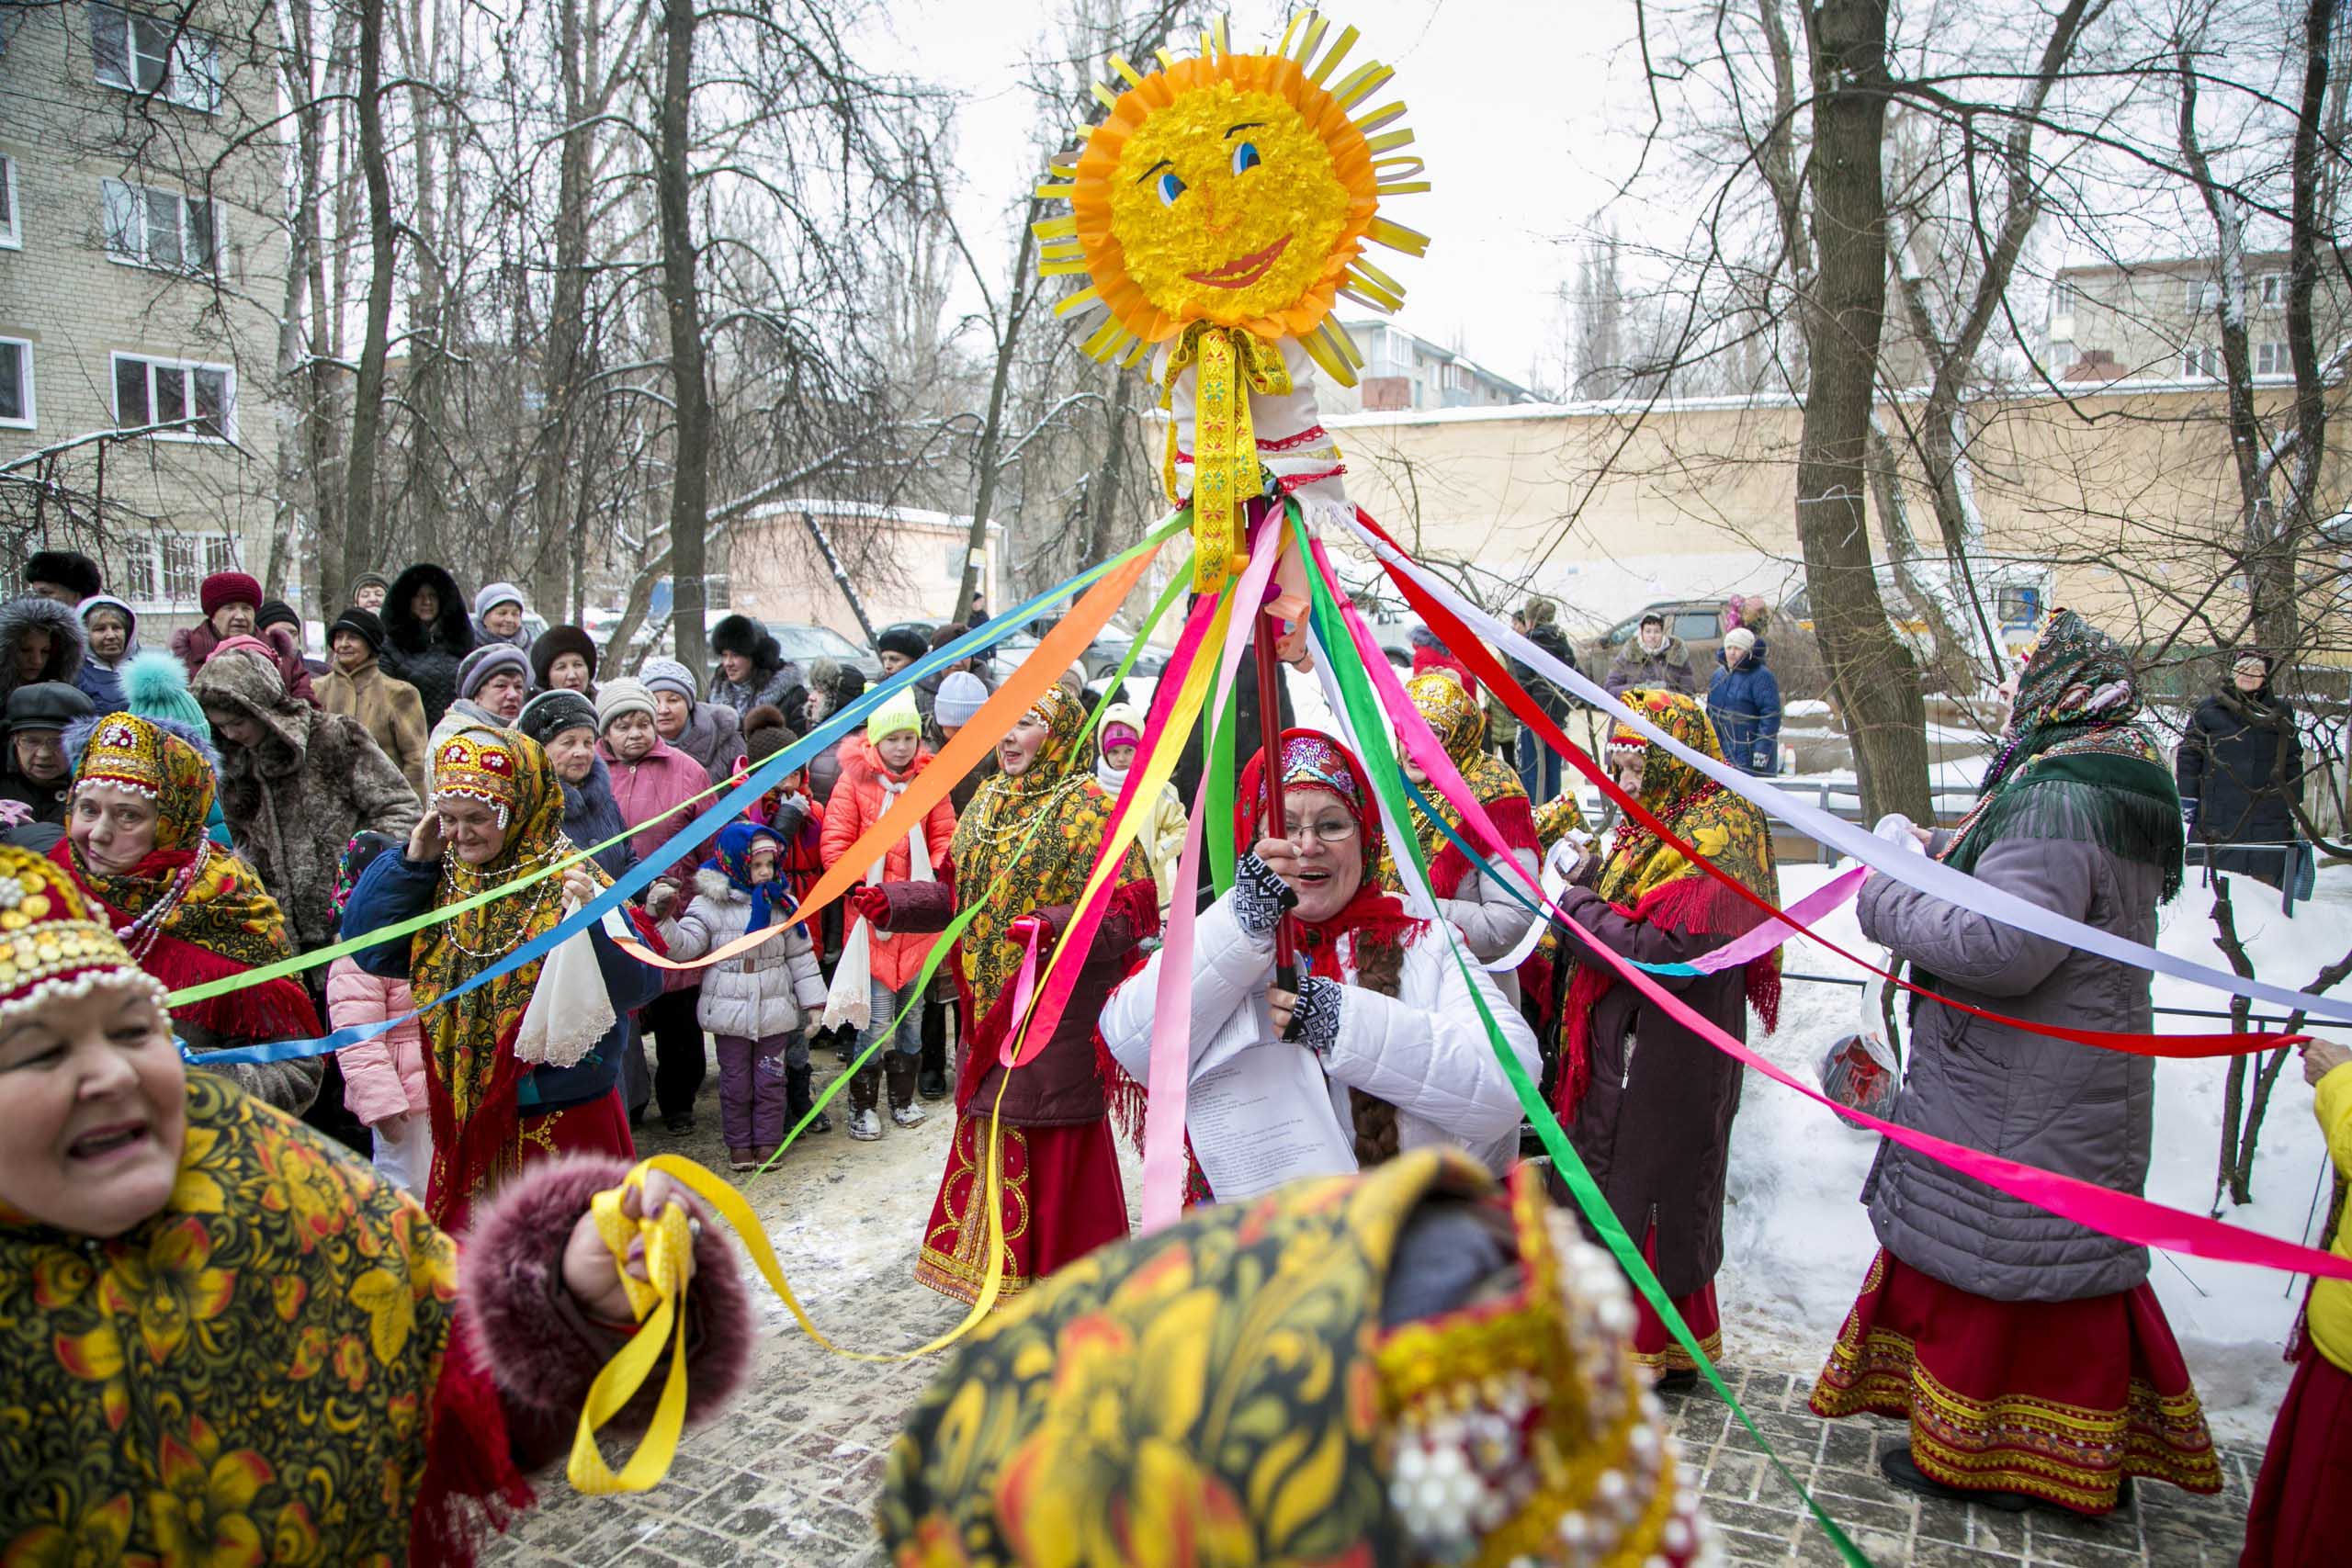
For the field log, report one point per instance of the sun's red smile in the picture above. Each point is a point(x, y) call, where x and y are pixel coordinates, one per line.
point(1246, 270)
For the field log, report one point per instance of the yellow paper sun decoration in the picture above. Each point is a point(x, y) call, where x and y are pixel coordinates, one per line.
point(1236, 190)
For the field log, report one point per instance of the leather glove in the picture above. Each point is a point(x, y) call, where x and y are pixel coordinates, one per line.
point(874, 904)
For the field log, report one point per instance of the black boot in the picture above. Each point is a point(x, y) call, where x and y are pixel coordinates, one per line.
point(904, 1110)
point(932, 1082)
point(799, 1095)
point(1898, 1467)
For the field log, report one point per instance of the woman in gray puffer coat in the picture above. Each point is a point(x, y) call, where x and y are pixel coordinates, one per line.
point(2027, 1353)
point(756, 1006)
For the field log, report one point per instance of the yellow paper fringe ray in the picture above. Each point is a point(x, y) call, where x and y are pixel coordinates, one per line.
point(1361, 83)
point(1373, 119)
point(1397, 237)
point(1126, 71)
point(1339, 52)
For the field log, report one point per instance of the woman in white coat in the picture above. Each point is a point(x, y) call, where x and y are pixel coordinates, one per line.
point(1381, 1049)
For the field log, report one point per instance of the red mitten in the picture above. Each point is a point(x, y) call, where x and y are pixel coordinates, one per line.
point(871, 903)
point(1029, 928)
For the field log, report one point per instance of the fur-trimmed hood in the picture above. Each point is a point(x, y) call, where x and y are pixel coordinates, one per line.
point(69, 644)
point(251, 685)
point(452, 628)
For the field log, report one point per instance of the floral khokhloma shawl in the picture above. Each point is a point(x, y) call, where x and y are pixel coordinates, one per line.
point(1651, 880)
point(1232, 1391)
point(474, 1071)
point(254, 1373)
point(1456, 719)
point(992, 865)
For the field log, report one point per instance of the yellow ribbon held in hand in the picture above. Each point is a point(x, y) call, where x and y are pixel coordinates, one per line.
point(1233, 363)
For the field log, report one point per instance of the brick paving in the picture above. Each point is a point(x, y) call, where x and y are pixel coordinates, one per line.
point(788, 1475)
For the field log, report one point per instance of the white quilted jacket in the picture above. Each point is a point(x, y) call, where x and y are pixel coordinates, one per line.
point(1424, 1051)
point(760, 994)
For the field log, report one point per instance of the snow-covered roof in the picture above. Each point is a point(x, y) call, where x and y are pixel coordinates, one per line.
point(816, 506)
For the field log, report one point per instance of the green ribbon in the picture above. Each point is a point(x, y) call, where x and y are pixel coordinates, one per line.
point(1381, 766)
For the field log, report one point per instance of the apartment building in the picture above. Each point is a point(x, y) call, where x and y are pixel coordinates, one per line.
point(143, 273)
point(2161, 319)
point(1403, 373)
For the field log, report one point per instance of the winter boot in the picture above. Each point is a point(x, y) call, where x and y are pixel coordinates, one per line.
point(904, 1110)
point(932, 1082)
point(799, 1095)
point(864, 1125)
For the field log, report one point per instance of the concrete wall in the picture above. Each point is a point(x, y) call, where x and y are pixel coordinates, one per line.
point(77, 306)
point(2123, 497)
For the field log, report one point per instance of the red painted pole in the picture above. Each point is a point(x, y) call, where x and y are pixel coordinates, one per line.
point(1270, 732)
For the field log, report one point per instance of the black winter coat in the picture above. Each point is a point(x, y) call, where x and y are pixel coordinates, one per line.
point(423, 655)
point(2242, 762)
point(1556, 704)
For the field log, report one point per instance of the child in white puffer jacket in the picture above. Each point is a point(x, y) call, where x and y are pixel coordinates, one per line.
point(753, 1004)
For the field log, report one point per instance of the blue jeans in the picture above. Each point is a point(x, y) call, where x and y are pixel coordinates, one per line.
point(1539, 768)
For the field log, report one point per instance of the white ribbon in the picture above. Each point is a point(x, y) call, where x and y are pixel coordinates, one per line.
point(850, 999)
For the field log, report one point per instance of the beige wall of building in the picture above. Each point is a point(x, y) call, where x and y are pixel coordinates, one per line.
point(905, 563)
point(2124, 499)
point(117, 196)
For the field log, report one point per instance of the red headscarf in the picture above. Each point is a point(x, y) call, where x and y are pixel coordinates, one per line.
point(1312, 760)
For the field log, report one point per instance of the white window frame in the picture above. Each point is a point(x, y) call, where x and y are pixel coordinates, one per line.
point(2270, 291)
point(2065, 295)
point(150, 564)
point(12, 233)
point(189, 76)
point(2199, 294)
point(2201, 362)
point(125, 221)
point(187, 368)
point(25, 361)
point(2273, 359)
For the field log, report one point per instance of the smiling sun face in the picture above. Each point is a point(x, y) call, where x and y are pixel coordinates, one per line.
point(1227, 207)
point(1236, 190)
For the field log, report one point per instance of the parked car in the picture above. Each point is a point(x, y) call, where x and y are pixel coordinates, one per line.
point(808, 642)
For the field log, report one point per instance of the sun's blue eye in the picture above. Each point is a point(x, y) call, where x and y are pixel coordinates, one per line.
point(1245, 157)
point(1169, 188)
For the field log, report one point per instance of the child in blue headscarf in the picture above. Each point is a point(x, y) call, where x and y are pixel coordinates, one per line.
point(752, 1003)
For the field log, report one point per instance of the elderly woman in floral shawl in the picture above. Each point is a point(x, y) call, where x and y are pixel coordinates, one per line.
point(1023, 852)
point(228, 1341)
point(1490, 921)
point(1648, 1104)
point(497, 815)
point(2028, 1353)
point(1414, 1366)
point(190, 910)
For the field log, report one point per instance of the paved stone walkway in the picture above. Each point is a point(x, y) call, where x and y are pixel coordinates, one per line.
point(787, 1476)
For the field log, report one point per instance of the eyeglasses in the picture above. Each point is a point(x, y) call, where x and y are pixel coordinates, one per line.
point(1330, 829)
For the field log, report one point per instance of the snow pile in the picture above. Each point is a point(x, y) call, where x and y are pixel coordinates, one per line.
point(1798, 1241)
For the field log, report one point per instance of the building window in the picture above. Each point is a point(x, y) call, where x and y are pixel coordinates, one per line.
point(2272, 359)
point(167, 570)
point(157, 228)
point(15, 384)
point(2201, 364)
point(2062, 299)
point(2199, 294)
point(12, 233)
point(196, 402)
point(2271, 289)
point(154, 54)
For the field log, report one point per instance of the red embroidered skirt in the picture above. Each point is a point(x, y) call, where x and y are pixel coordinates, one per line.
point(2301, 1516)
point(1656, 1348)
point(2057, 1400)
point(1061, 1198)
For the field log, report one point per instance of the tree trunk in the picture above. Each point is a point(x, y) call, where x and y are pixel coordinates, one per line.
point(673, 189)
point(559, 544)
point(368, 399)
point(1873, 671)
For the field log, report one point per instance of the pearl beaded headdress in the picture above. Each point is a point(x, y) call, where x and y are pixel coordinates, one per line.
point(50, 947)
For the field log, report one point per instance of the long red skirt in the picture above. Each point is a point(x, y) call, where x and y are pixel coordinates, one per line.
point(1653, 1346)
point(2058, 1400)
point(2301, 1516)
point(1061, 1198)
point(595, 1126)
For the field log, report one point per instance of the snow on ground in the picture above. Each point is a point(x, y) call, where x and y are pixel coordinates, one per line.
point(1798, 1240)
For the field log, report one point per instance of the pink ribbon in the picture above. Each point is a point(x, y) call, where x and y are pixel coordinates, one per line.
point(2121, 1215)
point(1792, 923)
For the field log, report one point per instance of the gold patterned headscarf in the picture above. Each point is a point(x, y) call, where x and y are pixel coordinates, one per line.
point(1254, 1384)
point(128, 752)
point(1059, 796)
point(471, 1037)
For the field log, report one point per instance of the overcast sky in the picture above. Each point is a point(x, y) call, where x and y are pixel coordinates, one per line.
point(1525, 109)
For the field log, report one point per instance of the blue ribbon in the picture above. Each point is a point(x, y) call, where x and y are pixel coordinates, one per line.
point(1676, 971)
point(724, 809)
